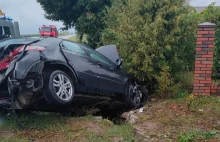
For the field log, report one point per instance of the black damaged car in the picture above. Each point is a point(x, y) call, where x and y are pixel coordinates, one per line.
point(58, 71)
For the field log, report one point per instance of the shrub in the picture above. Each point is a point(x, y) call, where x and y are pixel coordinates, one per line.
point(156, 39)
point(185, 79)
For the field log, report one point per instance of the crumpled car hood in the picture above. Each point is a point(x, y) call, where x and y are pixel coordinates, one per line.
point(109, 51)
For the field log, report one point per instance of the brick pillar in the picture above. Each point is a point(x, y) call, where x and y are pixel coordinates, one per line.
point(204, 59)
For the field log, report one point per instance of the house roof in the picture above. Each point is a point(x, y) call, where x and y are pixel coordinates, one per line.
point(200, 9)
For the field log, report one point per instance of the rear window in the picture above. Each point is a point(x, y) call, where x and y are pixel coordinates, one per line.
point(46, 29)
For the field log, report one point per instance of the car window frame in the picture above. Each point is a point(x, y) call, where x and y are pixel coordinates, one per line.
point(8, 29)
point(1, 29)
point(65, 48)
point(113, 65)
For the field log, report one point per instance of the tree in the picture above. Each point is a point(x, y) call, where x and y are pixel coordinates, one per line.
point(155, 37)
point(85, 15)
point(212, 14)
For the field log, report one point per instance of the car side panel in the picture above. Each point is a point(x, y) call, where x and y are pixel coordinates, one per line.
point(86, 69)
point(111, 79)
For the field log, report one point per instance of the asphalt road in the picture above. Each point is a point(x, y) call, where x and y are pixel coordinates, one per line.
point(65, 37)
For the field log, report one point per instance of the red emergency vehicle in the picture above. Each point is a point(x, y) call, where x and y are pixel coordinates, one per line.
point(50, 30)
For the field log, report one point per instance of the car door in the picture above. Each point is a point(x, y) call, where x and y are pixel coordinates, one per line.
point(110, 78)
point(85, 68)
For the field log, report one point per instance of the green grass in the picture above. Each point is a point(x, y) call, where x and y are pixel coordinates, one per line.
point(75, 38)
point(36, 121)
point(13, 139)
point(197, 136)
point(185, 118)
point(33, 35)
point(203, 109)
point(172, 117)
point(63, 33)
point(125, 131)
point(53, 126)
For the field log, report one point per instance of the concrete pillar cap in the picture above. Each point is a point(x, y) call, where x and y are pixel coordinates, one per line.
point(207, 24)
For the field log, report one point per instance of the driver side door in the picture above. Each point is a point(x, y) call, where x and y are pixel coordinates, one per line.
point(110, 78)
point(85, 68)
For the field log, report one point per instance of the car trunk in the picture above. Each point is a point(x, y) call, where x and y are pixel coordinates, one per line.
point(9, 51)
point(8, 55)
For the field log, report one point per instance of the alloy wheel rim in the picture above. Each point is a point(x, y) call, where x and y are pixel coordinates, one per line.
point(62, 87)
point(136, 97)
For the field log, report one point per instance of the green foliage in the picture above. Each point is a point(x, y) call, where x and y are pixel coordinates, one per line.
point(185, 78)
point(196, 136)
point(86, 16)
point(212, 14)
point(180, 95)
point(156, 39)
point(167, 87)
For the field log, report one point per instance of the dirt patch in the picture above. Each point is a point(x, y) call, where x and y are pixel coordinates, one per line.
point(94, 128)
point(168, 119)
point(6, 133)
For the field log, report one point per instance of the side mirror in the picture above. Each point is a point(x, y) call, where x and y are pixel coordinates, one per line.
point(119, 62)
point(39, 30)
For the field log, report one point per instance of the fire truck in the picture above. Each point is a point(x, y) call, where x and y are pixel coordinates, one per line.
point(50, 30)
point(8, 28)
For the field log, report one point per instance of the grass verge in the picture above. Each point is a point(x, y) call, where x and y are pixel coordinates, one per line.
point(75, 38)
point(45, 127)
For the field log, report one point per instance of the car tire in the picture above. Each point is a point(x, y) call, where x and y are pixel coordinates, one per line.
point(135, 99)
point(58, 87)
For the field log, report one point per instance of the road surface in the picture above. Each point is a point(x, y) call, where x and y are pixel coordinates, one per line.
point(66, 37)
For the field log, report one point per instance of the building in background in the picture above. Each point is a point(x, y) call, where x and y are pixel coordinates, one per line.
point(200, 9)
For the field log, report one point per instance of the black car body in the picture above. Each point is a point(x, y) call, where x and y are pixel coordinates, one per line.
point(58, 70)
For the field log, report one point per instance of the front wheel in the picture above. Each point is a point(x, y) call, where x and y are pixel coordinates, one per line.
point(58, 87)
point(136, 96)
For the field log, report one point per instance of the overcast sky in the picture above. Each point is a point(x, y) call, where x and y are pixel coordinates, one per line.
point(30, 15)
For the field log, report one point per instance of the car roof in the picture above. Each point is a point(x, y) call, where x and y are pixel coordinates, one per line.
point(49, 42)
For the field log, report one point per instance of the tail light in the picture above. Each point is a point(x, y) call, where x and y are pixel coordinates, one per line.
point(5, 62)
